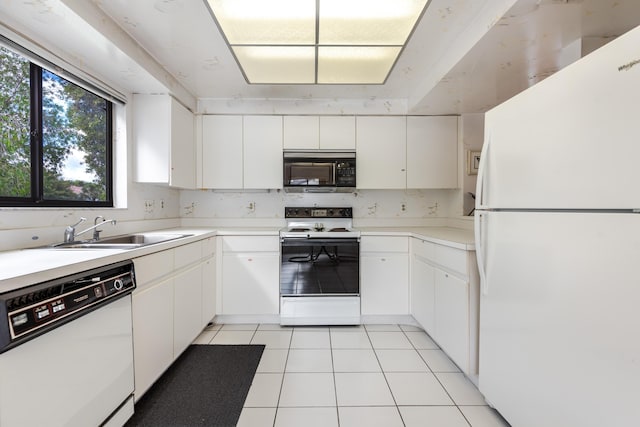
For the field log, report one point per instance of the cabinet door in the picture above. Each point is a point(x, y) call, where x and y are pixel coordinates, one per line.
point(262, 152)
point(452, 317)
point(222, 152)
point(423, 293)
point(183, 147)
point(337, 132)
point(250, 283)
point(151, 133)
point(301, 133)
point(187, 315)
point(381, 152)
point(152, 334)
point(384, 287)
point(432, 152)
point(208, 290)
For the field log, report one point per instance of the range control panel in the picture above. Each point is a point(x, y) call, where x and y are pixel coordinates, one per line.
point(316, 212)
point(37, 308)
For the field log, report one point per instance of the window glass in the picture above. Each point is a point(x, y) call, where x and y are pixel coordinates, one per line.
point(15, 113)
point(74, 135)
point(55, 139)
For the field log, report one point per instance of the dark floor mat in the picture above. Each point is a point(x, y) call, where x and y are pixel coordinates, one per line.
point(206, 386)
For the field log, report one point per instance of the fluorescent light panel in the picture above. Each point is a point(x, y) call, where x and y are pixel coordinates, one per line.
point(356, 41)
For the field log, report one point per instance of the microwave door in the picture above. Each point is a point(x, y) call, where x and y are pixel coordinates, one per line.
point(311, 174)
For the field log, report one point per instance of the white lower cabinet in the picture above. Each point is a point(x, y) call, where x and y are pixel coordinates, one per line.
point(175, 293)
point(152, 333)
point(250, 275)
point(423, 292)
point(208, 290)
point(452, 316)
point(187, 308)
point(384, 275)
point(445, 299)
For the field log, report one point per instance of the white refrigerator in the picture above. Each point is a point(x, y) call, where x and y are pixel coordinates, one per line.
point(558, 246)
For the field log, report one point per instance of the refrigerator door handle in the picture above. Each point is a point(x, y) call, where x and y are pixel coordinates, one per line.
point(480, 250)
point(482, 173)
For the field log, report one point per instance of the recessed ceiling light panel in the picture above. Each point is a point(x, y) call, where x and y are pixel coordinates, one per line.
point(349, 64)
point(262, 22)
point(277, 64)
point(367, 22)
point(316, 41)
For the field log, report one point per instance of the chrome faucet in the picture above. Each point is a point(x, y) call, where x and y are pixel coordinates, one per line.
point(94, 227)
point(70, 231)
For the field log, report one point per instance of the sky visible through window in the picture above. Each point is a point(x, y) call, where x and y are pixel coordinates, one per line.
point(74, 137)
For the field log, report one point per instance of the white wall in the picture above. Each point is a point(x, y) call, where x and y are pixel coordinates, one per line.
point(472, 140)
point(370, 207)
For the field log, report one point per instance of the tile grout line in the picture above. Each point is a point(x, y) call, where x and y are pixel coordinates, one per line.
point(333, 373)
point(434, 374)
point(385, 376)
point(284, 371)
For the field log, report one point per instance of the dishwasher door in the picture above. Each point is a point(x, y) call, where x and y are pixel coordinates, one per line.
point(75, 375)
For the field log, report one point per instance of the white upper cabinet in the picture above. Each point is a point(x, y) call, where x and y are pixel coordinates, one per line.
point(301, 133)
point(222, 152)
point(337, 132)
point(164, 141)
point(381, 152)
point(432, 152)
point(262, 152)
point(319, 133)
point(241, 152)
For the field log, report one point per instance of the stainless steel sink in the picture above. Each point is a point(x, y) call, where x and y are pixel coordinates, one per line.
point(127, 241)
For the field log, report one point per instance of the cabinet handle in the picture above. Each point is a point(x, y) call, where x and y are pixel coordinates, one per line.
point(383, 259)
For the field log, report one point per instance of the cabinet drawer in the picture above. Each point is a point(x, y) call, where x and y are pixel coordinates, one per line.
point(250, 244)
point(384, 244)
point(451, 258)
point(187, 254)
point(151, 267)
point(423, 248)
point(208, 247)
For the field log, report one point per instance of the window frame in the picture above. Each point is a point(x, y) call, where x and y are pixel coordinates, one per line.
point(36, 198)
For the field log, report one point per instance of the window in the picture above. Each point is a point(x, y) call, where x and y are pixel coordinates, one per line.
point(55, 139)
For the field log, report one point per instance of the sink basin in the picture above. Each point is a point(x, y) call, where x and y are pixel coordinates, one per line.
point(127, 241)
point(139, 239)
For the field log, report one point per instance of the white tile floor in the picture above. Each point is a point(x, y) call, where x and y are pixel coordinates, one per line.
point(373, 375)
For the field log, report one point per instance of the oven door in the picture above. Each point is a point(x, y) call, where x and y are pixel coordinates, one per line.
point(320, 267)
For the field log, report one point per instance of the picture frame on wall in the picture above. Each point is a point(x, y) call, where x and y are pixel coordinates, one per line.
point(473, 162)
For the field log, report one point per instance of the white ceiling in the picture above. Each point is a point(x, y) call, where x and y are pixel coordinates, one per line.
point(464, 56)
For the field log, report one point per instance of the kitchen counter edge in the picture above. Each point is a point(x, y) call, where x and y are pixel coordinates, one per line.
point(448, 236)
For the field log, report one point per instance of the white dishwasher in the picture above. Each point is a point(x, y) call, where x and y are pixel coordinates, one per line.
point(66, 350)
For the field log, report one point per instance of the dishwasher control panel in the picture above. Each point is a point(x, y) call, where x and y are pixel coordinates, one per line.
point(29, 311)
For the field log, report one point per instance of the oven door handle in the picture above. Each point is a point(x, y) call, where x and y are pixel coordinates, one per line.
point(319, 241)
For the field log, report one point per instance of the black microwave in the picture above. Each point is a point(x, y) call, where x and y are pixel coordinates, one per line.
point(319, 171)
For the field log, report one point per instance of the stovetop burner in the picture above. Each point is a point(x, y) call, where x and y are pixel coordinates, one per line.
point(316, 222)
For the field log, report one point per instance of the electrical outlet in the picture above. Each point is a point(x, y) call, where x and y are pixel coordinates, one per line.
point(188, 210)
point(149, 205)
point(433, 210)
point(161, 203)
point(403, 207)
point(252, 206)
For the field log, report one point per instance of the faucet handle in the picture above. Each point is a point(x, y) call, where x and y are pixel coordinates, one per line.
point(82, 219)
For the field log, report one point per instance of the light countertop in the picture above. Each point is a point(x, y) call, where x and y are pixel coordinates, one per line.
point(455, 237)
point(30, 266)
